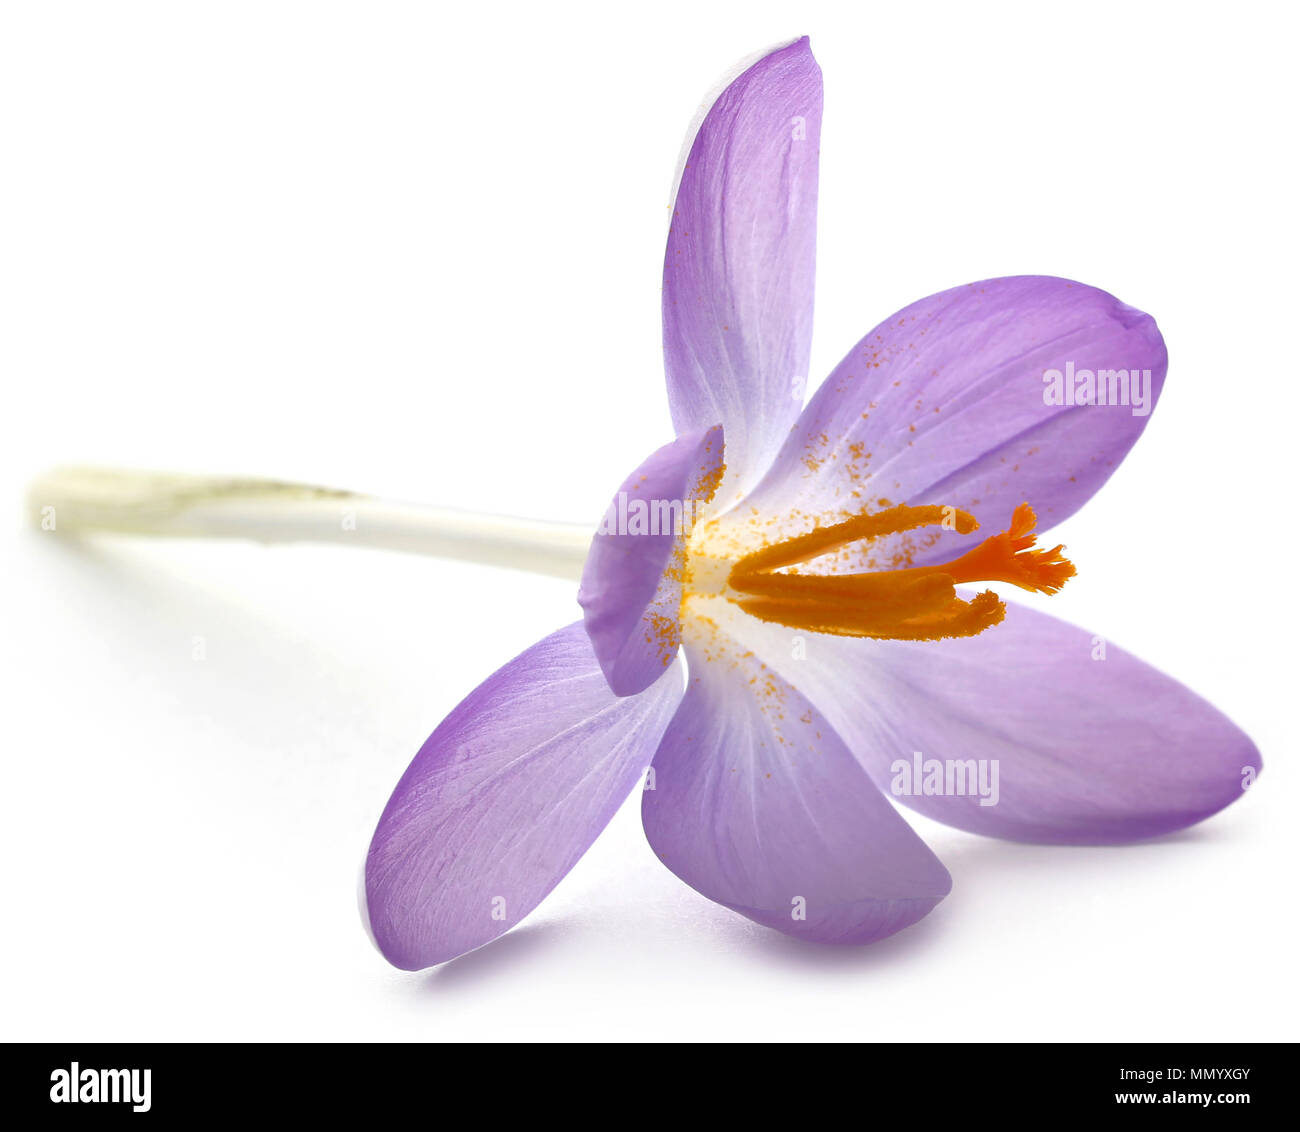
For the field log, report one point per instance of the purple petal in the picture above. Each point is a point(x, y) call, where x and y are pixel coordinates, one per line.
point(1090, 744)
point(738, 271)
point(503, 799)
point(759, 805)
point(632, 581)
point(945, 402)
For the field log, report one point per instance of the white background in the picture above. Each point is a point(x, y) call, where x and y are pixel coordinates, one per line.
point(416, 251)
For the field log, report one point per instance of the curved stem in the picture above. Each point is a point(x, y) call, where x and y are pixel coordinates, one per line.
point(77, 500)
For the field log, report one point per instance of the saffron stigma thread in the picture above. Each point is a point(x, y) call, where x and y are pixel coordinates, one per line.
point(913, 604)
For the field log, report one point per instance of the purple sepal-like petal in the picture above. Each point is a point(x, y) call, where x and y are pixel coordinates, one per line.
point(1090, 745)
point(945, 402)
point(738, 271)
point(504, 797)
point(632, 581)
point(758, 805)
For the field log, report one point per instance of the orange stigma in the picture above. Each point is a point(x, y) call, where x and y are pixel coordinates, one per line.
point(914, 604)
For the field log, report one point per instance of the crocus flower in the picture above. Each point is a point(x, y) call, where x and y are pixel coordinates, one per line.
point(806, 563)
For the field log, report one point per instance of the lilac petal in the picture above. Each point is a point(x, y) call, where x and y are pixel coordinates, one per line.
point(759, 805)
point(944, 403)
point(503, 799)
point(1091, 745)
point(738, 271)
point(632, 580)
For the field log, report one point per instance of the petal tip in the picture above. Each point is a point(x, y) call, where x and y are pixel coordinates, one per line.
point(849, 925)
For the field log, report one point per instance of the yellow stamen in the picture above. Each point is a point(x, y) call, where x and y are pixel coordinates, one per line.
point(915, 604)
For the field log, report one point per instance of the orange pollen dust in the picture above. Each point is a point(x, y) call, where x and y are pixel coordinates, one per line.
point(913, 604)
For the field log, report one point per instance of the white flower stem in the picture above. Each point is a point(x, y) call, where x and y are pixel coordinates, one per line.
point(76, 500)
